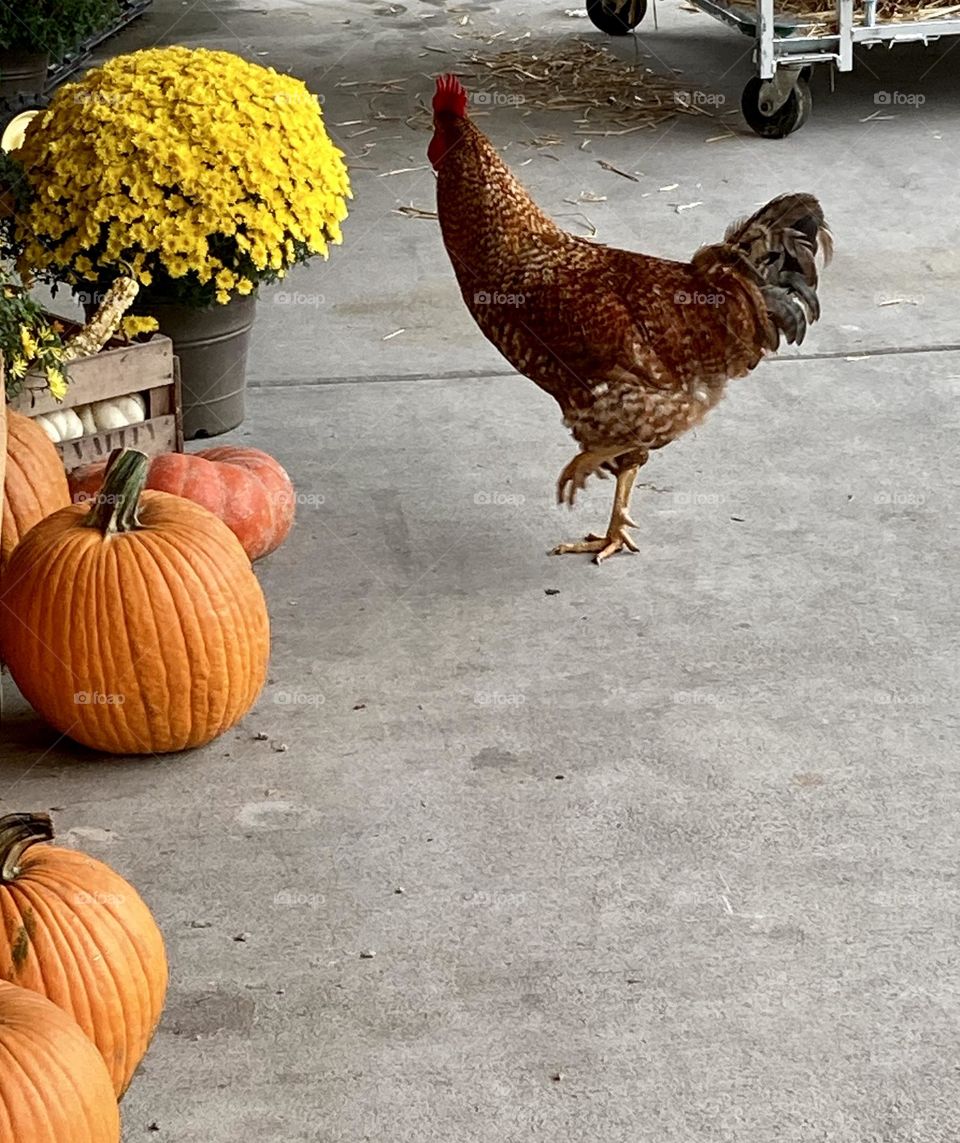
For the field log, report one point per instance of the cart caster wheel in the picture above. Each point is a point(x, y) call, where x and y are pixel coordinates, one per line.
point(616, 17)
point(786, 119)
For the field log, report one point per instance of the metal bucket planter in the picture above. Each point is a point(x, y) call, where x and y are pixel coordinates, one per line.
point(212, 345)
point(23, 73)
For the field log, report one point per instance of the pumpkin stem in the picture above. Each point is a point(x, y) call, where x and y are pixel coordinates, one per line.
point(17, 833)
point(115, 505)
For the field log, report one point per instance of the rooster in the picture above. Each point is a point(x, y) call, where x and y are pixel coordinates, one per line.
point(635, 349)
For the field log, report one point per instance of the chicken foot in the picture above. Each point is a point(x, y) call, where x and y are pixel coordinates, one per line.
point(587, 463)
point(617, 537)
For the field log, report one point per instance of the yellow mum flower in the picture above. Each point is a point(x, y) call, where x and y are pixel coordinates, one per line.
point(225, 280)
point(194, 151)
point(29, 343)
point(57, 383)
point(134, 325)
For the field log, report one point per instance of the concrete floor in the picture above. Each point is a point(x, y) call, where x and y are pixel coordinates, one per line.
point(680, 831)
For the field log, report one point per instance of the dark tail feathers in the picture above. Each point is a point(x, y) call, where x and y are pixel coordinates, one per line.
point(777, 248)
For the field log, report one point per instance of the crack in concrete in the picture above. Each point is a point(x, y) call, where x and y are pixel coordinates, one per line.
point(490, 374)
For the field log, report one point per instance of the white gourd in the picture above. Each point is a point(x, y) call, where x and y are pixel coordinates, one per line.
point(133, 408)
point(58, 421)
point(45, 423)
point(85, 413)
point(98, 417)
point(73, 425)
point(118, 412)
point(108, 416)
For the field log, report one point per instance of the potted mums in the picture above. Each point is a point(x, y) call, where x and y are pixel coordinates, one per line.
point(199, 174)
point(33, 33)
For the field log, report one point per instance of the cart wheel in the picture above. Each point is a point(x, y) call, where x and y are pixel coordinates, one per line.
point(616, 17)
point(786, 119)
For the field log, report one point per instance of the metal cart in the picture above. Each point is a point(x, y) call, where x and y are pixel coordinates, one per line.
point(777, 101)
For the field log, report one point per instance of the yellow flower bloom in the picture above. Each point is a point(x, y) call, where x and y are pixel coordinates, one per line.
point(57, 383)
point(133, 325)
point(29, 343)
point(194, 151)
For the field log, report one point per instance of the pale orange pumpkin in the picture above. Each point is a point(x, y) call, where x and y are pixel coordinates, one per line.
point(246, 488)
point(35, 484)
point(135, 624)
point(76, 932)
point(54, 1086)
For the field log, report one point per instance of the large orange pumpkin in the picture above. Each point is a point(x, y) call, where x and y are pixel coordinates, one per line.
point(54, 1086)
point(75, 931)
point(135, 624)
point(3, 450)
point(246, 488)
point(35, 483)
point(2, 463)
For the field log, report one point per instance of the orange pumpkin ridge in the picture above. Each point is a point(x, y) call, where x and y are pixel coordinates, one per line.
point(244, 487)
point(74, 931)
point(54, 1086)
point(35, 483)
point(171, 638)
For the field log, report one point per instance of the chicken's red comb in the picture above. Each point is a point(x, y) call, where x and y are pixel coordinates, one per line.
point(450, 97)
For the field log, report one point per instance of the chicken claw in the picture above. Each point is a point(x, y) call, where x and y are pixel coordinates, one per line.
point(574, 477)
point(604, 546)
point(617, 537)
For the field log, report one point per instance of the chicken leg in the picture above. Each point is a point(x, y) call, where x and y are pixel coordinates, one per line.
point(617, 538)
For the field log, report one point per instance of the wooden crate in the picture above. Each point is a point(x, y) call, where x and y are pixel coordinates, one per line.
point(149, 368)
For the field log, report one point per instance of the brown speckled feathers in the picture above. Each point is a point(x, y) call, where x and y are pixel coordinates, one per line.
point(635, 349)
